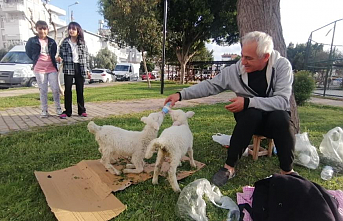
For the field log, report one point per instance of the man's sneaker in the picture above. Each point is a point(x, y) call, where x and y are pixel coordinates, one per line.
point(59, 111)
point(83, 115)
point(44, 114)
point(63, 116)
point(222, 176)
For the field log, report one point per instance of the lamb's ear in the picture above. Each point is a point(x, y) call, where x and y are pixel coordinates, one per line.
point(155, 125)
point(190, 114)
point(144, 120)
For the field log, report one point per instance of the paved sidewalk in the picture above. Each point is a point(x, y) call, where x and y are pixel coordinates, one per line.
point(25, 118)
point(326, 101)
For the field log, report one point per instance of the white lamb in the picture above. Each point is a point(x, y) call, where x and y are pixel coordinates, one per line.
point(116, 141)
point(174, 142)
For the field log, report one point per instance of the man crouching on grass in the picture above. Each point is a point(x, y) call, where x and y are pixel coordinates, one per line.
point(262, 81)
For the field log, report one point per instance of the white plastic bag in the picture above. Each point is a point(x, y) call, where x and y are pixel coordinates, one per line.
point(192, 206)
point(223, 139)
point(332, 145)
point(305, 154)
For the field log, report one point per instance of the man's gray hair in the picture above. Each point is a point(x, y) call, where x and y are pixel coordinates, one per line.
point(264, 42)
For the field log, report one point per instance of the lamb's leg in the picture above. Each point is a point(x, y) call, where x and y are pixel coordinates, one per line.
point(172, 174)
point(158, 164)
point(191, 159)
point(137, 160)
point(106, 161)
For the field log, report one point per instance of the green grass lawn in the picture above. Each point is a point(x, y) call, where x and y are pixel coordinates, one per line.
point(56, 147)
point(128, 91)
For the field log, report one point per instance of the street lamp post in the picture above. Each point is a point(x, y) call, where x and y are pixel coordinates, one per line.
point(68, 20)
point(164, 43)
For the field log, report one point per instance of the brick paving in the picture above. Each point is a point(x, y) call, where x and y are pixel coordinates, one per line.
point(25, 118)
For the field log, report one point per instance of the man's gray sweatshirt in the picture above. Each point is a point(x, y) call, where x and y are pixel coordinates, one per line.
point(279, 77)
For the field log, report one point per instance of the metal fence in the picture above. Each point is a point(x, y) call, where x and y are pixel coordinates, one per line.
point(197, 70)
point(324, 58)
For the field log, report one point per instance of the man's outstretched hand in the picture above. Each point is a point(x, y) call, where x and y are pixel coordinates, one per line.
point(237, 105)
point(172, 99)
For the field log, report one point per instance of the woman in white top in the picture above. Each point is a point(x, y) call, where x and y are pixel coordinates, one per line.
point(74, 54)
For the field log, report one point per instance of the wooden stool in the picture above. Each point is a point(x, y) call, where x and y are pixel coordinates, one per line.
point(256, 150)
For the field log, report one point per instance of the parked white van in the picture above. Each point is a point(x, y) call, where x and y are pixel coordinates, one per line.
point(126, 71)
point(15, 69)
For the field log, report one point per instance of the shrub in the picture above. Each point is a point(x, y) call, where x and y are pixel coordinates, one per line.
point(303, 87)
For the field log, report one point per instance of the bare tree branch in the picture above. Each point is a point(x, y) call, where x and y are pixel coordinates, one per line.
point(50, 19)
point(32, 22)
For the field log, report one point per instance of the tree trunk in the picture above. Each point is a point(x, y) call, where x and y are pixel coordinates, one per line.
point(261, 15)
point(182, 72)
point(183, 58)
point(264, 15)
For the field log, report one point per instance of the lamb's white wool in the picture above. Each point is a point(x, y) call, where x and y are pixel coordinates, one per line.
point(174, 142)
point(116, 141)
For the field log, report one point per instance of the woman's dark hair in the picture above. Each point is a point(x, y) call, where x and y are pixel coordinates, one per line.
point(80, 37)
point(42, 24)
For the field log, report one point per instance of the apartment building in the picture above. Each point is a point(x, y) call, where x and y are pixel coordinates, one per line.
point(14, 14)
point(15, 28)
point(96, 42)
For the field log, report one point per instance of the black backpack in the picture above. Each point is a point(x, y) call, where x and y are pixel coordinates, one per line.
point(291, 197)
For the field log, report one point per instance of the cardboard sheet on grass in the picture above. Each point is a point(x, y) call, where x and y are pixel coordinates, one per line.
point(84, 191)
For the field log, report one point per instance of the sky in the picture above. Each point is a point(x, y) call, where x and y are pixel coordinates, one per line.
point(86, 12)
point(298, 19)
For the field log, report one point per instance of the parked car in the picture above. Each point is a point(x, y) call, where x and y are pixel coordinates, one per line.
point(337, 82)
point(151, 76)
point(101, 75)
point(126, 71)
point(15, 69)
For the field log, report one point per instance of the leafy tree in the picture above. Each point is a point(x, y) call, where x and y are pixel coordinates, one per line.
point(192, 22)
point(91, 62)
point(237, 58)
point(150, 66)
point(297, 55)
point(318, 60)
point(203, 54)
point(134, 23)
point(105, 59)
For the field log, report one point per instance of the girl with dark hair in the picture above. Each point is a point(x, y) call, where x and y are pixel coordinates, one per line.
point(42, 51)
point(74, 54)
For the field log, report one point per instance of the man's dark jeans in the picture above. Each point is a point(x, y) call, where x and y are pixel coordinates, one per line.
point(272, 124)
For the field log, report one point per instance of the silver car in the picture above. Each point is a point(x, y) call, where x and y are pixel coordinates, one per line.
point(101, 75)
